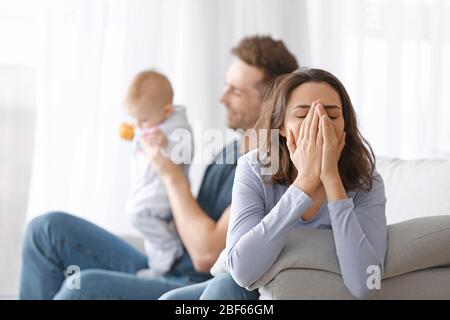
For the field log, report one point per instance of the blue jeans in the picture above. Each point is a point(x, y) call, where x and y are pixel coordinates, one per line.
point(56, 240)
point(221, 287)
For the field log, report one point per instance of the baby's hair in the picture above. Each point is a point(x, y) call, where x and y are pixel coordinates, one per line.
point(153, 82)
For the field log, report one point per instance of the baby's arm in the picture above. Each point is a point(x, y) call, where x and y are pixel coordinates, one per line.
point(180, 148)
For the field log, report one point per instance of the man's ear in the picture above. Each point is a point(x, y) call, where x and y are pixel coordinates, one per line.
point(168, 109)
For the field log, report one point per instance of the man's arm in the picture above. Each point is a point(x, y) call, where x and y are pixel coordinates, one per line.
point(203, 237)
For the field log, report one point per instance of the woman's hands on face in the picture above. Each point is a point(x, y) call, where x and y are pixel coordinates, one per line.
point(306, 152)
point(317, 150)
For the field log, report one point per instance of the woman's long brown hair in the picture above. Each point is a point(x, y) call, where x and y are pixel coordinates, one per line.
point(357, 160)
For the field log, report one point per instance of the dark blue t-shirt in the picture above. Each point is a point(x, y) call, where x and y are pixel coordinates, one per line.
point(214, 197)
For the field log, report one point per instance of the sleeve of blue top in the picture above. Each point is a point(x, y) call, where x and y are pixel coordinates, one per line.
point(360, 235)
point(254, 241)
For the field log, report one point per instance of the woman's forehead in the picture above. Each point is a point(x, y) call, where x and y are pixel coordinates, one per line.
point(308, 92)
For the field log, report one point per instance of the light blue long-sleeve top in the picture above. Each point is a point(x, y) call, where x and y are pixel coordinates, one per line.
point(263, 214)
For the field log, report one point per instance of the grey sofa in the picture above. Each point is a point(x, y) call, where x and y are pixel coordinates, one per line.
point(417, 263)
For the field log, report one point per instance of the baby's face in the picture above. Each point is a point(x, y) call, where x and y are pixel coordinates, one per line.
point(147, 115)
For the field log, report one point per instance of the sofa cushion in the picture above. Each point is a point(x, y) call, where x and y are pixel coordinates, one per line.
point(432, 283)
point(415, 188)
point(418, 244)
point(413, 245)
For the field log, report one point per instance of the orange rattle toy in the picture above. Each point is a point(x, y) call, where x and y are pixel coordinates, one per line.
point(126, 131)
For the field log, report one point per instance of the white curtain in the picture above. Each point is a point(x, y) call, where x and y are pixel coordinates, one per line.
point(393, 56)
point(77, 161)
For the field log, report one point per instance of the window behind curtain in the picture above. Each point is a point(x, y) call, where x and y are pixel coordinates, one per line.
point(18, 56)
point(17, 119)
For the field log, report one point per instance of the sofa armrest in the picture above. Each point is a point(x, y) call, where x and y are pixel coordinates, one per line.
point(412, 245)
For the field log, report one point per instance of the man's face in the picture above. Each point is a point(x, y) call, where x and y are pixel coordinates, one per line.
point(241, 95)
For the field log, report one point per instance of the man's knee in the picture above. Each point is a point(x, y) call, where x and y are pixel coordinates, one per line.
point(175, 294)
point(39, 228)
point(223, 287)
point(80, 285)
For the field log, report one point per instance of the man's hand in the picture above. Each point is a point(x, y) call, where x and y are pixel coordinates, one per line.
point(154, 143)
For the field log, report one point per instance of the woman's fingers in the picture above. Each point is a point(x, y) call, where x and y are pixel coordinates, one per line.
point(307, 122)
point(290, 142)
point(321, 110)
point(303, 126)
point(326, 129)
point(319, 140)
point(342, 143)
point(329, 132)
point(322, 116)
point(314, 125)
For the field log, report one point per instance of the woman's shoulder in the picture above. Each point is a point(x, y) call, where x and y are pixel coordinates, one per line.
point(375, 192)
point(377, 180)
point(250, 164)
point(251, 161)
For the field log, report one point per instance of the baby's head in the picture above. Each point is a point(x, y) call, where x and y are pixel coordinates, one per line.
point(149, 99)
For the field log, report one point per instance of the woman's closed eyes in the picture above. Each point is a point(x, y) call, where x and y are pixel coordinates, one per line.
point(303, 117)
point(304, 108)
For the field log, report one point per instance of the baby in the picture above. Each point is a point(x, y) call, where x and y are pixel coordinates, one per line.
point(149, 102)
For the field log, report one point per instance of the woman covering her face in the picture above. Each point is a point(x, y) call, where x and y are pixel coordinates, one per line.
point(325, 177)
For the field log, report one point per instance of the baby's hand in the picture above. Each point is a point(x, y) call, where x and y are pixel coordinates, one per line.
point(154, 145)
point(153, 141)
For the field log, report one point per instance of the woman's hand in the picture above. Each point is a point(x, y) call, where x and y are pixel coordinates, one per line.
point(154, 143)
point(332, 148)
point(306, 152)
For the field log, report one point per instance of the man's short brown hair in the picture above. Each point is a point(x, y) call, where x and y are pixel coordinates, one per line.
point(267, 54)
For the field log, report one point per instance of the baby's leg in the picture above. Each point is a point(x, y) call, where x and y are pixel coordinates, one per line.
point(162, 243)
